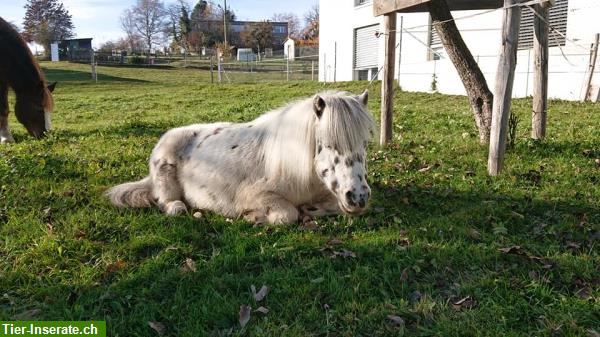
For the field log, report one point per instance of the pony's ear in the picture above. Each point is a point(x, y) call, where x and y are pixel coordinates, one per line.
point(51, 86)
point(318, 105)
point(364, 97)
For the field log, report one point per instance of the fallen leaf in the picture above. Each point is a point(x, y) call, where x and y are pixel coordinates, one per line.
point(335, 242)
point(404, 275)
point(189, 265)
point(592, 333)
point(511, 250)
point(405, 201)
point(158, 327)
point(573, 245)
point(262, 310)
point(115, 266)
point(244, 315)
point(317, 280)
point(345, 253)
point(464, 303)
point(261, 294)
point(390, 306)
point(425, 169)
point(474, 234)
point(517, 215)
point(584, 293)
point(597, 161)
point(198, 215)
point(26, 315)
point(397, 321)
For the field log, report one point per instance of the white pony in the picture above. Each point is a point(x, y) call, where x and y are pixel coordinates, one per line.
point(306, 158)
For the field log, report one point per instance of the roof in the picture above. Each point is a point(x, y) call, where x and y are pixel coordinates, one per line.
point(381, 7)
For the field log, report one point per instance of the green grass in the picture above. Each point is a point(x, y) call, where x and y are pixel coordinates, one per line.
point(431, 237)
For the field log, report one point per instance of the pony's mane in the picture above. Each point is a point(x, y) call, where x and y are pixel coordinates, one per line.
point(18, 64)
point(291, 134)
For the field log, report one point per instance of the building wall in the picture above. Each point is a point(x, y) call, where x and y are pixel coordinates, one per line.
point(482, 35)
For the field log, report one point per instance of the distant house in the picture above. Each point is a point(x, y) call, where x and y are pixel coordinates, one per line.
point(235, 28)
point(353, 48)
point(75, 49)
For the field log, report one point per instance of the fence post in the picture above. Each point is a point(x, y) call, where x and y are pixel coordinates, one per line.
point(93, 59)
point(591, 66)
point(219, 66)
point(287, 64)
point(212, 78)
point(334, 61)
point(400, 47)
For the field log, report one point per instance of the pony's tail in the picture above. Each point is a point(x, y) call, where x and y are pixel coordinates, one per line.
point(133, 194)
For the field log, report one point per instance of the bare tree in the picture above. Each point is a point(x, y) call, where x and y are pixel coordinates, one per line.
point(292, 21)
point(129, 29)
point(147, 18)
point(311, 31)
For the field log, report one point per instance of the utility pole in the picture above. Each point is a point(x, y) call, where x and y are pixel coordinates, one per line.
point(225, 22)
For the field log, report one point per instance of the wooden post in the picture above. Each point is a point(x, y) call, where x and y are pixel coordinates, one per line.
point(219, 66)
point(400, 47)
point(387, 85)
point(212, 78)
point(334, 61)
point(505, 75)
point(287, 65)
point(591, 67)
point(540, 77)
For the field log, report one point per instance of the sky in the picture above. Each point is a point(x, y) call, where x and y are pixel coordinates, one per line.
point(99, 19)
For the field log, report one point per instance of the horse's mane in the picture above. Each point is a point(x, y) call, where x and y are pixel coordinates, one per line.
point(18, 67)
point(289, 143)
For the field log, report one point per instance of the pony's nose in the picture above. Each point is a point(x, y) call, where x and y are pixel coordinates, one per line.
point(357, 199)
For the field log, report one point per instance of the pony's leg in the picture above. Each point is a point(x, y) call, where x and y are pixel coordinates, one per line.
point(274, 209)
point(323, 208)
point(5, 135)
point(166, 187)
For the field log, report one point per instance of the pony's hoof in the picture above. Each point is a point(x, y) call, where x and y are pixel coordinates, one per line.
point(175, 208)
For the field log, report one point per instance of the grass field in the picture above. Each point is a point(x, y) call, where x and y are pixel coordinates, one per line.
point(444, 247)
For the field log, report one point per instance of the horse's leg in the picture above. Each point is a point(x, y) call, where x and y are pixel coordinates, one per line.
point(5, 135)
point(274, 209)
point(166, 187)
point(322, 208)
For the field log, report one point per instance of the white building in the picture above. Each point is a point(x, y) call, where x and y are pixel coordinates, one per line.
point(349, 49)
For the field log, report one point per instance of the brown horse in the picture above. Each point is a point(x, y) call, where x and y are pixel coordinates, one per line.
point(21, 72)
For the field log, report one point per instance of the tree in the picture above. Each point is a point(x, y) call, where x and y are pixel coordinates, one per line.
point(311, 31)
point(259, 34)
point(292, 21)
point(480, 96)
point(46, 21)
point(147, 20)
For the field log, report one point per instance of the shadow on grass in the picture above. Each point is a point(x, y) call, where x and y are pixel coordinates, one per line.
point(63, 75)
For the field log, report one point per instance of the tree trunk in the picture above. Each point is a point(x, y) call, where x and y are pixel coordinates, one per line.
point(480, 96)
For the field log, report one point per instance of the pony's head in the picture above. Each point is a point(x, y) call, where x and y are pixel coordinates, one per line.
point(343, 129)
point(33, 109)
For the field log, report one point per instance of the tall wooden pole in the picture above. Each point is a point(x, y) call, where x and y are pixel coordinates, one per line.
point(400, 47)
point(540, 77)
point(505, 75)
point(387, 85)
point(591, 67)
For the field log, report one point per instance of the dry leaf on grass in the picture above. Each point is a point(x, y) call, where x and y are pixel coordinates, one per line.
point(261, 294)
point(115, 266)
point(396, 321)
point(158, 327)
point(26, 315)
point(188, 265)
point(244, 316)
point(334, 242)
point(463, 303)
point(511, 250)
point(262, 310)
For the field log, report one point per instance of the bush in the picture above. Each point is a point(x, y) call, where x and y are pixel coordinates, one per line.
point(136, 60)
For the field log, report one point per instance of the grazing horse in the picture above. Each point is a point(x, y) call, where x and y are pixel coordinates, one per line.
point(20, 71)
point(306, 158)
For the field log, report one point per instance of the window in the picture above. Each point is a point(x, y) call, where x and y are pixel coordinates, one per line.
point(361, 2)
point(557, 17)
point(365, 51)
point(279, 29)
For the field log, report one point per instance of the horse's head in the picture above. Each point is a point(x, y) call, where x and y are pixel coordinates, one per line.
point(33, 109)
point(343, 129)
